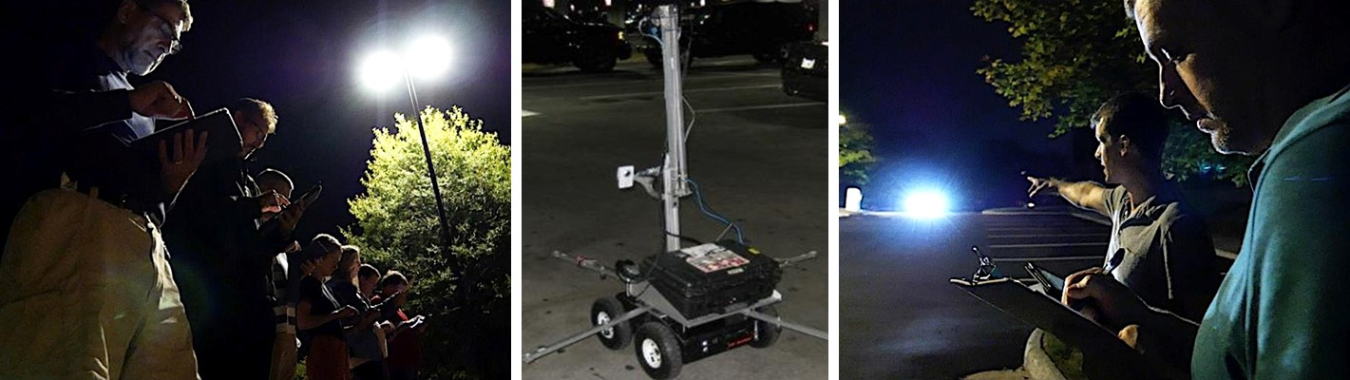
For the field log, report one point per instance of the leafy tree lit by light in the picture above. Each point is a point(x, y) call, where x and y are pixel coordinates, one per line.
point(465, 287)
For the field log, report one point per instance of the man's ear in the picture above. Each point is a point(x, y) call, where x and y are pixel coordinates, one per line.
point(1124, 142)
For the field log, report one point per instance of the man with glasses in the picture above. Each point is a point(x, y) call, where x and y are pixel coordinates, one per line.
point(85, 285)
point(1261, 78)
point(222, 254)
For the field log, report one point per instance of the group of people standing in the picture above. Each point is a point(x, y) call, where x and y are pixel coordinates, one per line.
point(123, 264)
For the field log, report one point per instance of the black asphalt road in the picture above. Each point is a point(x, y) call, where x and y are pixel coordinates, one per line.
point(759, 156)
point(901, 319)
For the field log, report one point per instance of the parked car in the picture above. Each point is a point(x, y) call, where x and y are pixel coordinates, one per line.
point(551, 38)
point(724, 28)
point(806, 71)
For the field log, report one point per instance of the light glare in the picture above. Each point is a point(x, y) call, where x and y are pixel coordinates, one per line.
point(429, 57)
point(381, 71)
point(926, 204)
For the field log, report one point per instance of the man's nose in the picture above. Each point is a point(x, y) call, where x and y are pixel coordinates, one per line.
point(1168, 84)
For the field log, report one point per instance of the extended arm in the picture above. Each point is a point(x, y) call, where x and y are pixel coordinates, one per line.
point(1086, 194)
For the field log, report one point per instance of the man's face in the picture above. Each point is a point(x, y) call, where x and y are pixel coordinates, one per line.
point(368, 284)
point(396, 289)
point(253, 131)
point(1108, 153)
point(150, 35)
point(1207, 68)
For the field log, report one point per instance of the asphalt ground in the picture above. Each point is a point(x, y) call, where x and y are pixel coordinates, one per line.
point(901, 319)
point(759, 156)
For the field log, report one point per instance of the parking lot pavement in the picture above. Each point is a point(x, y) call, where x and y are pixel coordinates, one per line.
point(759, 157)
point(900, 317)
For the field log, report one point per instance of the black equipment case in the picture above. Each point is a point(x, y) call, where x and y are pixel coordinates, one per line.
point(697, 292)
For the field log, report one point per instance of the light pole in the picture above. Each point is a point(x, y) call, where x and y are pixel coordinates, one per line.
point(428, 57)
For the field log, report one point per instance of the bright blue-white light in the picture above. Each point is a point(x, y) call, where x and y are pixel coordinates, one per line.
point(926, 204)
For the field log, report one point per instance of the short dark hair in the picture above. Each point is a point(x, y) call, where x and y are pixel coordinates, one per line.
point(367, 271)
point(393, 277)
point(1137, 116)
point(255, 107)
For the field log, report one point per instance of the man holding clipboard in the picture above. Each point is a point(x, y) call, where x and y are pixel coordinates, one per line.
point(222, 250)
point(1279, 313)
point(1158, 249)
point(85, 285)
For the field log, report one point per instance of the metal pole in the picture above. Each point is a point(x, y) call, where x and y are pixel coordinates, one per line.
point(673, 173)
point(431, 169)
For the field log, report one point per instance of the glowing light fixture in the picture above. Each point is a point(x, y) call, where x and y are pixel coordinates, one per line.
point(429, 57)
point(926, 204)
point(381, 71)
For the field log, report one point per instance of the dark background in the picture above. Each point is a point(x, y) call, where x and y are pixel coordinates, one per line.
point(908, 71)
point(302, 57)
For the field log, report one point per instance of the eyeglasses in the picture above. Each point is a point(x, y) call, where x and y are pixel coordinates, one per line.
point(167, 29)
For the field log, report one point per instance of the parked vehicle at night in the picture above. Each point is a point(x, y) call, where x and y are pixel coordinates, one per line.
point(806, 70)
point(549, 37)
point(723, 28)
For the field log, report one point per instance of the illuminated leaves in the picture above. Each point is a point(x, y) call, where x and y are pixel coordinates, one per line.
point(465, 285)
point(1075, 55)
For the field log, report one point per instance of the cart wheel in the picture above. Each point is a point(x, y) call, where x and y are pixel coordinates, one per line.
point(658, 351)
point(766, 333)
point(607, 309)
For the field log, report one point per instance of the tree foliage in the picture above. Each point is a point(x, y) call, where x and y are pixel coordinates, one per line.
point(464, 287)
point(1076, 54)
point(855, 153)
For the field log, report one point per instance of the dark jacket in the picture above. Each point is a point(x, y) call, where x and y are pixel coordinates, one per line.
point(71, 115)
point(221, 257)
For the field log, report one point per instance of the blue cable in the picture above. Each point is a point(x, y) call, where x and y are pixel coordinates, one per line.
point(704, 207)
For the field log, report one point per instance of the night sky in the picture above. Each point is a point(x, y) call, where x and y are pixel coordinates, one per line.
point(301, 56)
point(908, 70)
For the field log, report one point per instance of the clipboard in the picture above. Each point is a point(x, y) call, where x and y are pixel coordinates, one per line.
point(1038, 309)
point(223, 141)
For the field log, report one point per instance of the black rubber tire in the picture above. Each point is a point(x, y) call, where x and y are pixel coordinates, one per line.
point(620, 334)
point(664, 345)
point(766, 333)
point(597, 61)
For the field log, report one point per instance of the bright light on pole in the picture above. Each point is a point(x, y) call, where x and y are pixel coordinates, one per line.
point(429, 57)
point(381, 71)
point(926, 204)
